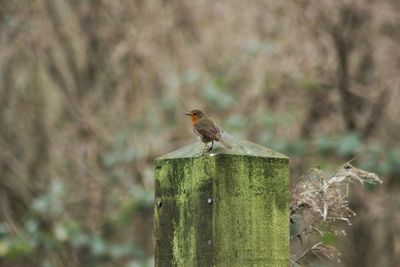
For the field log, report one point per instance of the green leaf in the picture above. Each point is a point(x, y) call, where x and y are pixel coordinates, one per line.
point(213, 94)
point(60, 232)
point(16, 248)
point(191, 76)
point(325, 145)
point(235, 121)
point(98, 246)
point(348, 144)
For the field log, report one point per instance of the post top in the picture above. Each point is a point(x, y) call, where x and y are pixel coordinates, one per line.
point(239, 147)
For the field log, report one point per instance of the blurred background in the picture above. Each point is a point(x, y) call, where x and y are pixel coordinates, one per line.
point(92, 91)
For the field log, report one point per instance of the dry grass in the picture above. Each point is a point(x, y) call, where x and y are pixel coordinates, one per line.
point(319, 204)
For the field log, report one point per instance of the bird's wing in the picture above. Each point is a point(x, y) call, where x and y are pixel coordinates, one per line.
point(207, 128)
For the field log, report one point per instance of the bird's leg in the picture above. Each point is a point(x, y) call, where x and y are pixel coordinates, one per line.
point(209, 148)
point(204, 149)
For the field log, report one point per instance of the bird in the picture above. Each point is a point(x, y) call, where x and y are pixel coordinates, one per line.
point(206, 129)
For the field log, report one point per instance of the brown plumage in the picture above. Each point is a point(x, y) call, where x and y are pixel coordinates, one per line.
point(206, 129)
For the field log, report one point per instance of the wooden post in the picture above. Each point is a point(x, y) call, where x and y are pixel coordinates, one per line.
point(227, 208)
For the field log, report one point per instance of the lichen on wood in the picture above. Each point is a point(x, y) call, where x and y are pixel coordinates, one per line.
point(227, 208)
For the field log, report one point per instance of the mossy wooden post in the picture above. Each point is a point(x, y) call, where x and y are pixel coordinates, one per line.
point(227, 208)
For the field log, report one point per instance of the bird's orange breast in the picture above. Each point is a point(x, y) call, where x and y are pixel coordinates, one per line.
point(194, 119)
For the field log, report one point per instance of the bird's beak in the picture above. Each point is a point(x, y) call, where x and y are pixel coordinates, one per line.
point(188, 113)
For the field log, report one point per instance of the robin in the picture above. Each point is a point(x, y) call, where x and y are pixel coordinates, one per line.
point(206, 129)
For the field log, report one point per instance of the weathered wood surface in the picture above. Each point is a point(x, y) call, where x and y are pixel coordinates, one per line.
point(227, 208)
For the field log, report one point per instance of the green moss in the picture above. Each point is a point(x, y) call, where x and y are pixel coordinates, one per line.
point(223, 210)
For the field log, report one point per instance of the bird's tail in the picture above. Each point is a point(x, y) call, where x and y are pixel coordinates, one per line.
point(220, 139)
